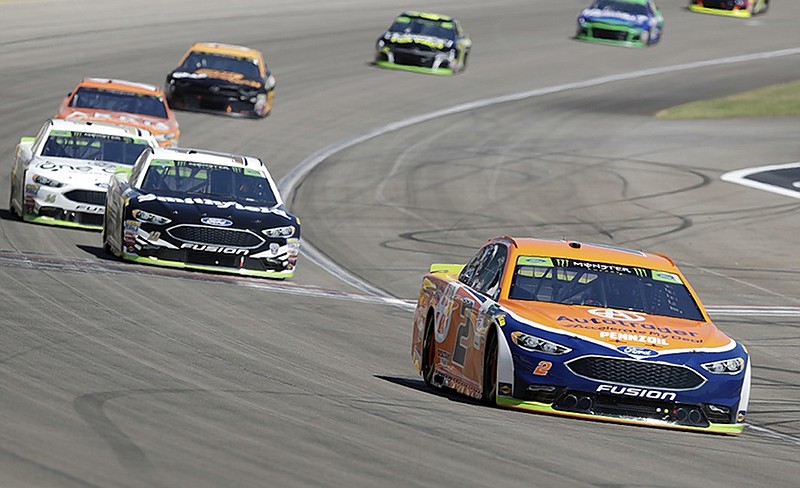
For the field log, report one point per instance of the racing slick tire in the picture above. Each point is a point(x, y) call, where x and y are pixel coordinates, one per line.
point(489, 393)
point(11, 208)
point(428, 352)
point(106, 244)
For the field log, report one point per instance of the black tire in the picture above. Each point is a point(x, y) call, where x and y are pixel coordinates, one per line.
point(106, 244)
point(11, 208)
point(489, 394)
point(428, 352)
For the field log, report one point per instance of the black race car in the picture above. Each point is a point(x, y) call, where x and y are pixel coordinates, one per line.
point(424, 42)
point(187, 208)
point(221, 78)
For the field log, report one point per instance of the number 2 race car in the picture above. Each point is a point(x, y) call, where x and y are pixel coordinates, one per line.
point(186, 208)
point(60, 176)
point(580, 330)
point(424, 42)
point(732, 8)
point(635, 23)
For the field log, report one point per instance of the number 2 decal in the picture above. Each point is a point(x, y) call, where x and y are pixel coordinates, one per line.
point(542, 368)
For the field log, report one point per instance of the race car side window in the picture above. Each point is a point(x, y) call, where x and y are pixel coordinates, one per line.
point(487, 279)
point(483, 271)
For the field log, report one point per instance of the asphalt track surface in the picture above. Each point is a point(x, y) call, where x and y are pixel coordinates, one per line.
point(116, 375)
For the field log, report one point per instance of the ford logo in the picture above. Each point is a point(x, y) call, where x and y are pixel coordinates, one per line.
point(216, 222)
point(637, 351)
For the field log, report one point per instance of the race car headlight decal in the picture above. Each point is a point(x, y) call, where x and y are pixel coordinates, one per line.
point(287, 231)
point(381, 43)
point(149, 218)
point(726, 366)
point(537, 344)
point(271, 82)
point(45, 181)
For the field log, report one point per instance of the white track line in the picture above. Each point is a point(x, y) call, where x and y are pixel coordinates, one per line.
point(288, 183)
point(740, 177)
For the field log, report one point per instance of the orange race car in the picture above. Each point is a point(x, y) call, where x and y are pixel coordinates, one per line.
point(222, 78)
point(580, 330)
point(122, 102)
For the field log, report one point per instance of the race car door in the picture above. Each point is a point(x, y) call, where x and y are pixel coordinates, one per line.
point(470, 315)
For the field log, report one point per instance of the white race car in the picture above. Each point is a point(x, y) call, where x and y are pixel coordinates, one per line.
point(60, 177)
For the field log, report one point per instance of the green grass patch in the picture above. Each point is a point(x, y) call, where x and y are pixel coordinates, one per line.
point(772, 101)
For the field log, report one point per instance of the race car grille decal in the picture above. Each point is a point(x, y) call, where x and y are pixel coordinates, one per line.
point(199, 234)
point(636, 373)
point(87, 196)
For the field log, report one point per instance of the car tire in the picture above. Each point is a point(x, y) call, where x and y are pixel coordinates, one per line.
point(106, 244)
point(428, 352)
point(11, 208)
point(489, 393)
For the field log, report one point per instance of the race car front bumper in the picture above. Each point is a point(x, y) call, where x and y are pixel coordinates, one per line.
point(417, 60)
point(612, 34)
point(154, 247)
point(76, 207)
point(739, 13)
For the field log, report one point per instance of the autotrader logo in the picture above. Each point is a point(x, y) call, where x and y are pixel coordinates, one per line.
point(608, 313)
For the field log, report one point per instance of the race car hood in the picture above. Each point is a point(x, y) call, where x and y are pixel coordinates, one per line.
point(74, 172)
point(155, 125)
point(204, 76)
point(399, 38)
point(620, 328)
point(613, 17)
point(222, 213)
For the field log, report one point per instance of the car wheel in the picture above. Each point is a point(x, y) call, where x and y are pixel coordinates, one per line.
point(11, 208)
point(489, 394)
point(428, 352)
point(106, 243)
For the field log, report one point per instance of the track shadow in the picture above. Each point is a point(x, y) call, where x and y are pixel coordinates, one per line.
point(98, 252)
point(419, 385)
point(7, 215)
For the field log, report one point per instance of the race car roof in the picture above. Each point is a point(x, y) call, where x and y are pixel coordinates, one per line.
point(101, 128)
point(590, 252)
point(120, 85)
point(208, 157)
point(225, 49)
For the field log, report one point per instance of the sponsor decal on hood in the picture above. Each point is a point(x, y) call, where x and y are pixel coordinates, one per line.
point(432, 42)
point(75, 167)
point(229, 76)
point(598, 14)
point(227, 204)
point(119, 118)
point(639, 334)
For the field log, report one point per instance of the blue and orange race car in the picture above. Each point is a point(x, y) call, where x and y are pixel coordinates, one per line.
point(580, 330)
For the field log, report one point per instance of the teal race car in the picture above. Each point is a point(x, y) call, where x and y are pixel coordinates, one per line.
point(634, 23)
point(424, 42)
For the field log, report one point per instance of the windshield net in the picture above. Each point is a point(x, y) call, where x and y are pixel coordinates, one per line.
point(119, 101)
point(180, 178)
point(572, 282)
point(96, 147)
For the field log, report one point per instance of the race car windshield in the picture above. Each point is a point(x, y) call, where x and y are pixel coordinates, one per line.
point(617, 6)
point(95, 147)
point(119, 101)
point(573, 282)
point(248, 67)
point(186, 178)
point(424, 27)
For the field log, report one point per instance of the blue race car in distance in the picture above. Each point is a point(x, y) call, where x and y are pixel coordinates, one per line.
point(634, 23)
